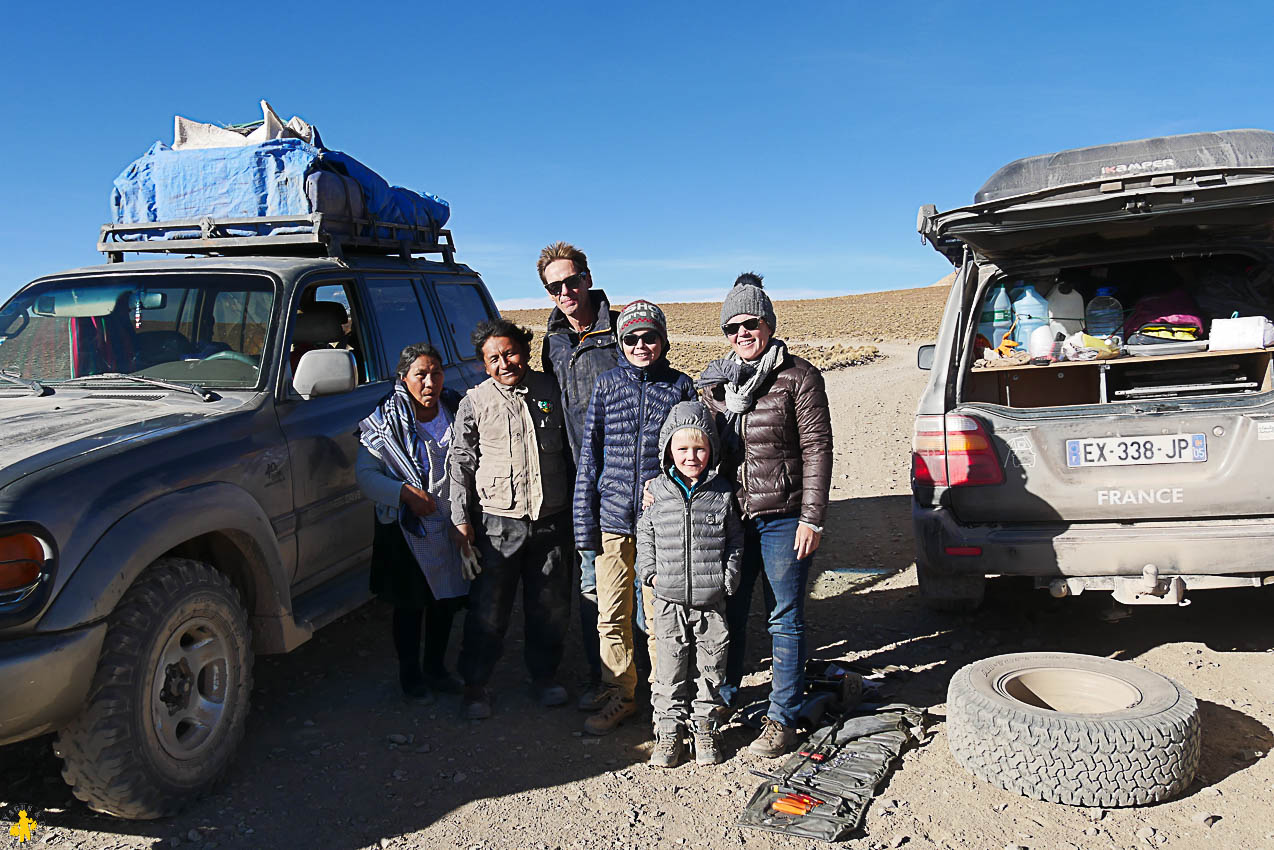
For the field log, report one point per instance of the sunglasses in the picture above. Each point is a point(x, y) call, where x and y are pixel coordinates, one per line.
point(732, 328)
point(575, 282)
point(648, 337)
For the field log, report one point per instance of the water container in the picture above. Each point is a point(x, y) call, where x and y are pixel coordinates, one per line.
point(997, 315)
point(1104, 315)
point(1041, 343)
point(1030, 311)
point(1065, 310)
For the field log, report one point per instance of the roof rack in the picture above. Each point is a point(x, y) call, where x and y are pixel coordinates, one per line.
point(304, 235)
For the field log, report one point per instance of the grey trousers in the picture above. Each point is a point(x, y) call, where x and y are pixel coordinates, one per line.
point(686, 640)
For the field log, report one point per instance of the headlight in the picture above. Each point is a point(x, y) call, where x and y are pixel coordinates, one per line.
point(22, 560)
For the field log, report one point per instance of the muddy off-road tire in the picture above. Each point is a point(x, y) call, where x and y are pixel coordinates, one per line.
point(169, 700)
point(951, 594)
point(1073, 729)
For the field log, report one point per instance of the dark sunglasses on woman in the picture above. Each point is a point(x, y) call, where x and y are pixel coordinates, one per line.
point(732, 328)
point(648, 337)
point(574, 282)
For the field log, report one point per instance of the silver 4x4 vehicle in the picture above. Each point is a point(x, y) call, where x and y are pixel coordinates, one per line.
point(1147, 476)
point(177, 492)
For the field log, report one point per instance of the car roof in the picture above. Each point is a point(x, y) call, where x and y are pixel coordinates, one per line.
point(1223, 150)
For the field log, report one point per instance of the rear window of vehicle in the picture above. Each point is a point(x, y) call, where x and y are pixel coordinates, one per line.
point(463, 308)
point(400, 317)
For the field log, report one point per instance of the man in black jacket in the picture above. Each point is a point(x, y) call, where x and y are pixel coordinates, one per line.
point(580, 345)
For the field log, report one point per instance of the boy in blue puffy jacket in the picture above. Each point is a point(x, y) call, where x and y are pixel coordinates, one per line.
point(618, 454)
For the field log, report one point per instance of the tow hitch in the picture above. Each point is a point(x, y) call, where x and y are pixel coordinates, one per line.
point(1149, 589)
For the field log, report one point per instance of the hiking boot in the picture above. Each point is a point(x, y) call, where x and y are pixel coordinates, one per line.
point(708, 747)
point(477, 704)
point(775, 739)
point(669, 748)
point(550, 694)
point(611, 715)
point(596, 697)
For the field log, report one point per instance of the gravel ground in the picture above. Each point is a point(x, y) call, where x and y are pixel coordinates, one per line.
point(333, 759)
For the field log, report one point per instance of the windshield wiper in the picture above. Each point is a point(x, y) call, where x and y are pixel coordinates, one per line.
point(35, 387)
point(193, 389)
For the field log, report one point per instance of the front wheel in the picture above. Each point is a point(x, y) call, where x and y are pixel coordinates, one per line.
point(169, 700)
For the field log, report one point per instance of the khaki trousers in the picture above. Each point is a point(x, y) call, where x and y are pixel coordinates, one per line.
point(616, 571)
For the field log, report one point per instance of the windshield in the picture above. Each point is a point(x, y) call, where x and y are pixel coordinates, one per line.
point(208, 329)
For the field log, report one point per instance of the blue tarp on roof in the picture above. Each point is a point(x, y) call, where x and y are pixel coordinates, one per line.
point(266, 179)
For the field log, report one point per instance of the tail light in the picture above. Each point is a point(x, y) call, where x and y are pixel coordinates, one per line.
point(953, 451)
point(21, 561)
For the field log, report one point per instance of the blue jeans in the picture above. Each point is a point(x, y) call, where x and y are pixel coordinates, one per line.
point(768, 553)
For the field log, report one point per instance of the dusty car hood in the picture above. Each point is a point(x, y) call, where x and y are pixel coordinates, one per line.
point(38, 432)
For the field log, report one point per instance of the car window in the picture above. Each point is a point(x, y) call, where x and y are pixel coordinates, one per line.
point(203, 328)
point(240, 320)
point(401, 320)
point(462, 307)
point(327, 315)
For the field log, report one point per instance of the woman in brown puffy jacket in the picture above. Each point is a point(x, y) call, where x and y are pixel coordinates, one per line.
point(772, 412)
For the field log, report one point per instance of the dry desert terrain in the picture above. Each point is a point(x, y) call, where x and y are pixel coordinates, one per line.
point(334, 759)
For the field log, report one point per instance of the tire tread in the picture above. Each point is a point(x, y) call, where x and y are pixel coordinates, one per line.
point(1066, 759)
point(100, 750)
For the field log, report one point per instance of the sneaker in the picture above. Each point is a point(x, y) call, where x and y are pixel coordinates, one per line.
point(708, 747)
point(550, 694)
point(669, 748)
point(611, 715)
point(596, 697)
point(477, 704)
point(775, 739)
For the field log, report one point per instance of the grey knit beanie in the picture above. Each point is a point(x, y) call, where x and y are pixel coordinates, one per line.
point(639, 316)
point(748, 298)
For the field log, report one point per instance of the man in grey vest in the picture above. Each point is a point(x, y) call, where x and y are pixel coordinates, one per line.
point(511, 493)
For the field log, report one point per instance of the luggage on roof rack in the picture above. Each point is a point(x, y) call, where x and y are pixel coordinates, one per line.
point(278, 196)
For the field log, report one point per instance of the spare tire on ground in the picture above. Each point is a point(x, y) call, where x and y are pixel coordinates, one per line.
point(1073, 729)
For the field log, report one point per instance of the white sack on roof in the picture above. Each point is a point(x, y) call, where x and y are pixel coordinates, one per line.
point(189, 135)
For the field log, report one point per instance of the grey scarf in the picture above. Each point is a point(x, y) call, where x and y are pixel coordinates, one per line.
point(741, 379)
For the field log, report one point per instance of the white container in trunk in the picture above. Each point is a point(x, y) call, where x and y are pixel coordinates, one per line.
point(1241, 333)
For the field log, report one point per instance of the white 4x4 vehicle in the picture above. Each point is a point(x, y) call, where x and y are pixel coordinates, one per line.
point(1141, 475)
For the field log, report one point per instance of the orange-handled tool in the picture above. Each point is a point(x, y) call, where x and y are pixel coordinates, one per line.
point(789, 808)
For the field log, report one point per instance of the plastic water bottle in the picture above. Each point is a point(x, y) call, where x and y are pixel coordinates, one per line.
point(1104, 315)
point(997, 315)
point(1030, 311)
point(1065, 310)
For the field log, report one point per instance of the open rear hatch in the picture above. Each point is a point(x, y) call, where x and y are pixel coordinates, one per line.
point(1191, 191)
point(1079, 442)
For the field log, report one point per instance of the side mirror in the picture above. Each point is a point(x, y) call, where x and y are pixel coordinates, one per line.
point(326, 371)
point(924, 356)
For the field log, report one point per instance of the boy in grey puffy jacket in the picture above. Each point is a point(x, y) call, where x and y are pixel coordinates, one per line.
point(689, 547)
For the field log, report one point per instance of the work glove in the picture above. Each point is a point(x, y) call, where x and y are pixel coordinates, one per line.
point(470, 566)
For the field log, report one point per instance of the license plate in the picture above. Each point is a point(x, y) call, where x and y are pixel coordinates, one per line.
point(1133, 451)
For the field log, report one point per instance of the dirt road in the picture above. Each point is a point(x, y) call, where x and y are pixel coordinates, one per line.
point(333, 759)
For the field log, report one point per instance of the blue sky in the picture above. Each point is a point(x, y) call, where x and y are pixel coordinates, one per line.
point(677, 144)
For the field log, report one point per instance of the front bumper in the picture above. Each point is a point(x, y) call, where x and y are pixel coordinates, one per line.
point(1231, 547)
point(44, 680)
